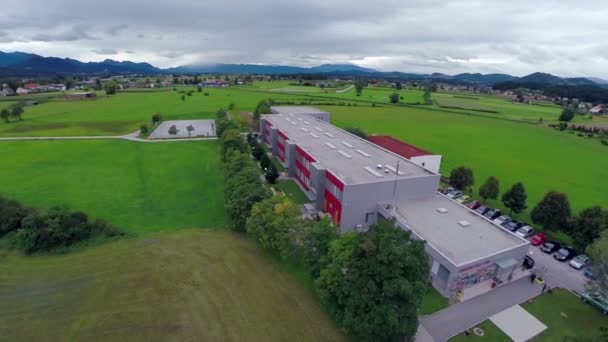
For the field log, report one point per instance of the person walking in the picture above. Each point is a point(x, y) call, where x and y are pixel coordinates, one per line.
point(544, 288)
point(532, 277)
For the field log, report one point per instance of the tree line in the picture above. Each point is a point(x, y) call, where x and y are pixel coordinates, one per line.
point(372, 283)
point(552, 212)
point(54, 230)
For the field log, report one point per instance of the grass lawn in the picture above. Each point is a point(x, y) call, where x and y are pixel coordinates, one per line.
point(125, 112)
point(292, 190)
point(492, 333)
point(136, 186)
point(543, 159)
point(580, 320)
point(186, 285)
point(432, 302)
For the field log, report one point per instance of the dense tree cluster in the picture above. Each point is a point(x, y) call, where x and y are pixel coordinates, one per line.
point(55, 229)
point(356, 131)
point(15, 111)
point(586, 93)
point(263, 107)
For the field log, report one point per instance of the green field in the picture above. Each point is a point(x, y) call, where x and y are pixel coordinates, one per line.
point(292, 190)
point(492, 333)
point(136, 186)
point(125, 112)
point(566, 317)
point(432, 302)
point(189, 285)
point(543, 159)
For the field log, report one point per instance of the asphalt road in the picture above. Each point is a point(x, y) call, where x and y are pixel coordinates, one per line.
point(557, 274)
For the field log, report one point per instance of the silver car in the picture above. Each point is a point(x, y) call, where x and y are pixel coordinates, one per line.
point(525, 232)
point(500, 220)
point(455, 194)
point(579, 261)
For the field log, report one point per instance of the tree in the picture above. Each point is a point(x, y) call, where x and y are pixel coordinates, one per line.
point(373, 282)
point(398, 85)
point(143, 129)
point(272, 223)
point(199, 89)
point(515, 198)
point(183, 98)
point(462, 178)
point(315, 242)
point(263, 107)
point(598, 252)
point(5, 115)
point(156, 119)
point(567, 114)
point(359, 88)
point(13, 85)
point(553, 211)
point(356, 131)
point(190, 129)
point(264, 161)
point(17, 111)
point(271, 174)
point(221, 114)
point(231, 140)
point(394, 97)
point(489, 189)
point(222, 125)
point(239, 201)
point(173, 130)
point(427, 96)
point(588, 225)
point(110, 87)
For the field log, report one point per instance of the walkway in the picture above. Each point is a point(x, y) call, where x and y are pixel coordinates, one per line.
point(462, 316)
point(130, 137)
point(345, 89)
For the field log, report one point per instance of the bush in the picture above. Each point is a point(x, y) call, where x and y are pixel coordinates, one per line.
point(206, 93)
point(604, 142)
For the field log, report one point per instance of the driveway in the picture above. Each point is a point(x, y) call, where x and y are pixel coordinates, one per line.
point(557, 274)
point(462, 316)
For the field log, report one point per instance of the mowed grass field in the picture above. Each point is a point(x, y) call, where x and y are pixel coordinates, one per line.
point(126, 111)
point(188, 285)
point(543, 159)
point(136, 186)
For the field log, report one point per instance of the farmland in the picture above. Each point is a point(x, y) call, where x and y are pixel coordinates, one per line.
point(543, 159)
point(136, 186)
point(180, 285)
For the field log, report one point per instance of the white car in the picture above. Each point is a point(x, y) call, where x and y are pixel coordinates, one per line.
point(500, 220)
point(455, 194)
point(525, 232)
point(579, 261)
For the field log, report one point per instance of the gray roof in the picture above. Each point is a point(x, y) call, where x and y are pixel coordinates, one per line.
point(446, 233)
point(352, 159)
point(295, 110)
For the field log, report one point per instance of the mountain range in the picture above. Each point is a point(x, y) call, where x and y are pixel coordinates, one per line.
point(20, 64)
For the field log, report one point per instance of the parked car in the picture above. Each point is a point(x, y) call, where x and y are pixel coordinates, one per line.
point(482, 209)
point(550, 247)
point(588, 273)
point(579, 261)
point(525, 232)
point(538, 239)
point(492, 214)
point(596, 301)
point(445, 191)
point(473, 204)
point(528, 262)
point(502, 219)
point(513, 225)
point(454, 194)
point(564, 254)
point(463, 199)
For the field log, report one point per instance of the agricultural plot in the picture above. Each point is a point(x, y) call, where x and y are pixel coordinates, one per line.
point(543, 159)
point(135, 186)
point(189, 285)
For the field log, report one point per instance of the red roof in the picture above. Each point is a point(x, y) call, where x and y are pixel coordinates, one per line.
point(396, 146)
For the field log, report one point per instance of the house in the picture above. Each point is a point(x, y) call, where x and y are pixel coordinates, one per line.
point(22, 91)
point(597, 110)
point(359, 183)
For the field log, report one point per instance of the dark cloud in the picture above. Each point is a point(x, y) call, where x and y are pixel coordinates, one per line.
point(105, 51)
point(563, 38)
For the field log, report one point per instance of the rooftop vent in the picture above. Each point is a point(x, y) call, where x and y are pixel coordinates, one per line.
point(346, 155)
point(379, 166)
point(394, 170)
point(464, 223)
point(442, 210)
point(329, 135)
point(300, 119)
point(363, 153)
point(387, 171)
point(314, 135)
point(347, 144)
point(373, 172)
point(318, 129)
point(306, 122)
point(330, 145)
point(304, 129)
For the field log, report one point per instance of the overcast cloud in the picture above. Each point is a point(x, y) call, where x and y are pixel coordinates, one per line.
point(566, 38)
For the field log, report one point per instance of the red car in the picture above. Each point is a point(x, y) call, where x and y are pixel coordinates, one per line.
point(473, 205)
point(538, 239)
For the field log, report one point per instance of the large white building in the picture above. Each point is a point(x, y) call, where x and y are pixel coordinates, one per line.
point(359, 183)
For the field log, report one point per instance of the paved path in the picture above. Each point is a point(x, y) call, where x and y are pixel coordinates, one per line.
point(518, 324)
point(459, 317)
point(130, 137)
point(557, 274)
point(345, 89)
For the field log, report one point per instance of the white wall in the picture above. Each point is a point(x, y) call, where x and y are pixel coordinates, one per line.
point(430, 162)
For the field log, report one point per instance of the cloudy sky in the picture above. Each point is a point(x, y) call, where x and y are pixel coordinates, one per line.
point(567, 38)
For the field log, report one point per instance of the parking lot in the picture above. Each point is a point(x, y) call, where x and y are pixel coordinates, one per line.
point(557, 274)
point(202, 128)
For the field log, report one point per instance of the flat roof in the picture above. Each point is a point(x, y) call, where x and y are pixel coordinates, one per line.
point(295, 110)
point(352, 159)
point(442, 222)
point(397, 146)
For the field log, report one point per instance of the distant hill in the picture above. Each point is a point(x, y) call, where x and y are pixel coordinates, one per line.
point(267, 69)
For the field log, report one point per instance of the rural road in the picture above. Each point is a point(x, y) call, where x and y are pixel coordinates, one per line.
point(129, 137)
point(345, 89)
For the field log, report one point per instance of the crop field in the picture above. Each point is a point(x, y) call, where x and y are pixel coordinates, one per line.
point(125, 112)
point(188, 285)
point(543, 159)
point(462, 103)
point(136, 186)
